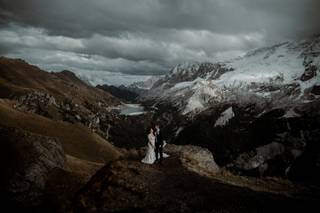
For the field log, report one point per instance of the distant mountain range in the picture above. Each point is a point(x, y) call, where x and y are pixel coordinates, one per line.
point(286, 73)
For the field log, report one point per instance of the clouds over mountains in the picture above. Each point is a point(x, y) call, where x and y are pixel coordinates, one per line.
point(146, 36)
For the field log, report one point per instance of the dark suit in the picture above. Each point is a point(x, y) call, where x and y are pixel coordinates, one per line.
point(159, 145)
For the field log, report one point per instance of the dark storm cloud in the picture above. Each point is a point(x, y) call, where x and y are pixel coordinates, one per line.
point(148, 36)
point(79, 18)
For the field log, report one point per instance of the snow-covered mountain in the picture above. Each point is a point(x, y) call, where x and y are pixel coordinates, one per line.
point(282, 74)
point(147, 84)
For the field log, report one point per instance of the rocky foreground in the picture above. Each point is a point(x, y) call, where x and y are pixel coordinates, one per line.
point(180, 184)
point(38, 175)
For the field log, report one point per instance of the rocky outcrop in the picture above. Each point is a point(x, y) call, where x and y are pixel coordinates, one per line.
point(76, 139)
point(98, 117)
point(26, 161)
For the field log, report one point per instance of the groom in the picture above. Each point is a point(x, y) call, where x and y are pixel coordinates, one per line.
point(158, 143)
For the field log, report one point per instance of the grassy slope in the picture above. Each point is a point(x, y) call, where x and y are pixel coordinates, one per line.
point(77, 140)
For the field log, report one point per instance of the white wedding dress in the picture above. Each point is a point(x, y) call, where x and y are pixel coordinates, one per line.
point(150, 157)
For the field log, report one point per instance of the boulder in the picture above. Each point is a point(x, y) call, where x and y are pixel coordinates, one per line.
point(195, 158)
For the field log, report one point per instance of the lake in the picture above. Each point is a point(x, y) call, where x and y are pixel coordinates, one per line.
point(131, 109)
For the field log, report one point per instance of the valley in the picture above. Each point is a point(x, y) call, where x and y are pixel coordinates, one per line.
point(242, 135)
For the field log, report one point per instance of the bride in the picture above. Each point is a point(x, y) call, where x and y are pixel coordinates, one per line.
point(150, 157)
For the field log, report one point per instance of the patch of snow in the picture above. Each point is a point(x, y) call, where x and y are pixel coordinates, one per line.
point(135, 113)
point(182, 85)
point(308, 84)
point(178, 131)
point(185, 67)
point(146, 84)
point(193, 104)
point(291, 114)
point(260, 114)
point(225, 117)
point(203, 91)
point(259, 68)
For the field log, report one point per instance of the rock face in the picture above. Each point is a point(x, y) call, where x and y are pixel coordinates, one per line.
point(26, 161)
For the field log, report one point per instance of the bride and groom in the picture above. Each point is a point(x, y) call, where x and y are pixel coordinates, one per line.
point(155, 146)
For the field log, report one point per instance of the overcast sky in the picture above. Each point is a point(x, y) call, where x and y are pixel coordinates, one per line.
point(146, 37)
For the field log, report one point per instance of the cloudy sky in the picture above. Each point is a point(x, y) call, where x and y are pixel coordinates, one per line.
point(110, 40)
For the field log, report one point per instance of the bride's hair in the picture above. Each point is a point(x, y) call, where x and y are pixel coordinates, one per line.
point(149, 128)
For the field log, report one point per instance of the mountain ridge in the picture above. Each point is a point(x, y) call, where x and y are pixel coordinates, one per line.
point(18, 77)
point(264, 71)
